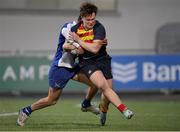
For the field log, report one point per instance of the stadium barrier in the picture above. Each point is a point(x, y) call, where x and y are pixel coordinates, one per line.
point(130, 72)
point(28, 74)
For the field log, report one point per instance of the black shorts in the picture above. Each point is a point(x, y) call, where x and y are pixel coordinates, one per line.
point(88, 67)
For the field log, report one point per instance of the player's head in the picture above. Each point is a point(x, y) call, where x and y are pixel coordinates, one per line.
point(88, 13)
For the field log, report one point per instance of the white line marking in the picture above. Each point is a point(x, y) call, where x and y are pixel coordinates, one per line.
point(8, 114)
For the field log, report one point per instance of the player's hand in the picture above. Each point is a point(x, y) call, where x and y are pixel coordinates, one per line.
point(104, 41)
point(74, 36)
point(80, 51)
point(68, 47)
point(101, 42)
point(77, 51)
point(70, 41)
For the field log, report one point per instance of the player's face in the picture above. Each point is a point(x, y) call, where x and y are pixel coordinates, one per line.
point(89, 21)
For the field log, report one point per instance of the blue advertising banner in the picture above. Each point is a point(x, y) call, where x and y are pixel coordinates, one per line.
point(146, 72)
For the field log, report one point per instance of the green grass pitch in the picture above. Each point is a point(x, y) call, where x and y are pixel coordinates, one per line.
point(66, 116)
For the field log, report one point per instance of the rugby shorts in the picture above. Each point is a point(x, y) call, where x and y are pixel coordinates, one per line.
point(88, 67)
point(59, 76)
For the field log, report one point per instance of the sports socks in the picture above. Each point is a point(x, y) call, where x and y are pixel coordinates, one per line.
point(86, 103)
point(121, 107)
point(27, 110)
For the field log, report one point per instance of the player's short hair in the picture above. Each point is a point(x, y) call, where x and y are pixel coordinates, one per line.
point(88, 8)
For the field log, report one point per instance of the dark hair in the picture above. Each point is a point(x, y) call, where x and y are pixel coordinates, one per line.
point(79, 19)
point(88, 8)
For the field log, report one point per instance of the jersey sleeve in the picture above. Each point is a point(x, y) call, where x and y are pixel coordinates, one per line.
point(99, 32)
point(67, 28)
point(65, 31)
point(74, 28)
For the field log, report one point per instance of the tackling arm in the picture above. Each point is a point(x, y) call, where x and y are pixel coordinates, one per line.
point(73, 49)
point(94, 48)
point(91, 47)
point(68, 47)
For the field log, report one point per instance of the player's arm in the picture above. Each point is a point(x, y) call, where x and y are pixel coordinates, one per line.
point(68, 47)
point(73, 48)
point(91, 47)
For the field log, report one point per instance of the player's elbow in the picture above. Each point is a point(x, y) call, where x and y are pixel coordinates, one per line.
point(95, 49)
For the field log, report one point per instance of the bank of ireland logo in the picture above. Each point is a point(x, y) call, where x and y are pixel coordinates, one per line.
point(124, 72)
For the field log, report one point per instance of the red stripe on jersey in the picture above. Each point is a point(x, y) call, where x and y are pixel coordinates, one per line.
point(85, 35)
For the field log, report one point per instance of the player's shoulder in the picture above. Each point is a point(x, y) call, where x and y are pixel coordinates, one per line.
point(75, 27)
point(69, 24)
point(98, 25)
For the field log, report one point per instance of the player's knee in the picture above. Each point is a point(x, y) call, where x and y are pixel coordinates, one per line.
point(105, 87)
point(102, 86)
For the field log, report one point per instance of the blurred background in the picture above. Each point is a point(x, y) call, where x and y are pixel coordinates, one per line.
point(143, 40)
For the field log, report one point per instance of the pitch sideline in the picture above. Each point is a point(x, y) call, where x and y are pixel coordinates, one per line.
point(8, 114)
